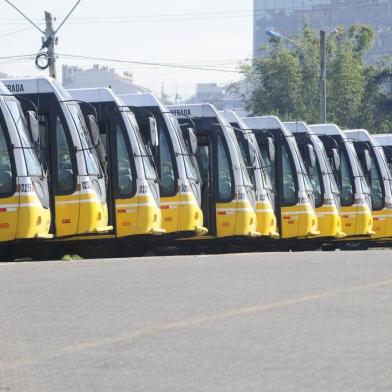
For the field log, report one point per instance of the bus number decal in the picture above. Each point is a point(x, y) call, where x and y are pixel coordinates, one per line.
point(26, 188)
point(86, 185)
point(143, 189)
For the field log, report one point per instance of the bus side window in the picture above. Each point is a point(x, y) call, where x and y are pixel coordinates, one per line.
point(124, 170)
point(6, 179)
point(289, 196)
point(65, 174)
point(43, 134)
point(225, 186)
point(166, 166)
point(376, 188)
point(347, 195)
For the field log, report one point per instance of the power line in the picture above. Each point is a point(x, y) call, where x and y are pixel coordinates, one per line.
point(16, 32)
point(190, 67)
point(216, 14)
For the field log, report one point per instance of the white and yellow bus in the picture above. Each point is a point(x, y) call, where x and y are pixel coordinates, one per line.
point(374, 164)
point(133, 188)
point(228, 197)
point(24, 195)
point(355, 198)
point(76, 181)
point(179, 179)
point(326, 191)
point(295, 200)
point(258, 173)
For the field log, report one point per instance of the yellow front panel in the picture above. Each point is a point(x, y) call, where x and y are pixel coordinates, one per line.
point(357, 220)
point(33, 219)
point(92, 213)
point(190, 216)
point(329, 221)
point(235, 218)
point(137, 216)
point(299, 221)
point(67, 215)
point(382, 223)
point(23, 217)
point(9, 208)
point(170, 213)
point(266, 220)
point(181, 213)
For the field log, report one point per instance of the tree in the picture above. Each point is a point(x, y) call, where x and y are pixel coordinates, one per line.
point(285, 82)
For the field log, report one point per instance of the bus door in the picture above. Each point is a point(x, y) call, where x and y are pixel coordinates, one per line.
point(57, 149)
point(204, 156)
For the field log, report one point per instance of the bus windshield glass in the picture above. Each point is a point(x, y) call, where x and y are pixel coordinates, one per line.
point(331, 178)
point(148, 166)
point(357, 169)
point(300, 166)
point(191, 170)
point(89, 152)
point(33, 165)
point(244, 169)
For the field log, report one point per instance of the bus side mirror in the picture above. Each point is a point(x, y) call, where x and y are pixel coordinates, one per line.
point(252, 152)
point(366, 161)
point(191, 136)
point(34, 127)
point(336, 159)
point(271, 149)
point(153, 132)
point(310, 155)
point(94, 130)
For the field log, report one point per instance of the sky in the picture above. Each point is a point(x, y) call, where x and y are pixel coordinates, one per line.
point(206, 33)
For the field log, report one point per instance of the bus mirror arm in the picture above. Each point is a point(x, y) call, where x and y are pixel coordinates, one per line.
point(367, 161)
point(310, 155)
point(271, 149)
point(34, 127)
point(94, 130)
point(153, 131)
point(336, 159)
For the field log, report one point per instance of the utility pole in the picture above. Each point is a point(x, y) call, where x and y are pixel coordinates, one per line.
point(323, 78)
point(49, 36)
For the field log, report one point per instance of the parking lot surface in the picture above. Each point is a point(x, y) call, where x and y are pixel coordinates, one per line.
point(313, 321)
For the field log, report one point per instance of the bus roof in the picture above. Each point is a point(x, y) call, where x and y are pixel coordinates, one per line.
point(298, 127)
point(3, 89)
point(38, 85)
point(327, 129)
point(96, 95)
point(197, 110)
point(384, 139)
point(142, 100)
point(360, 134)
point(233, 117)
point(269, 123)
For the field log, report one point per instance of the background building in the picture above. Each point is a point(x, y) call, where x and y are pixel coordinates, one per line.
point(288, 16)
point(222, 97)
point(75, 77)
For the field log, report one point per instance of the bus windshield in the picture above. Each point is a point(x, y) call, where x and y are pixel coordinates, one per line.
point(357, 168)
point(33, 165)
point(331, 178)
point(244, 169)
point(190, 168)
point(89, 152)
point(301, 169)
point(148, 166)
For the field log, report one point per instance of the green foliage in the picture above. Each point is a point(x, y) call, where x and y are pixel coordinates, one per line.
point(285, 82)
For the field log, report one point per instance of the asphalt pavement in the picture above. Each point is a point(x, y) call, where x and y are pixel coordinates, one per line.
point(314, 321)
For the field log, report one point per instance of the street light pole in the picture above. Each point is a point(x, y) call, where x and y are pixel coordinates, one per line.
point(323, 67)
point(323, 78)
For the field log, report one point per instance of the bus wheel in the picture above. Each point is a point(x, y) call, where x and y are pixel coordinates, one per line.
point(328, 247)
point(352, 246)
